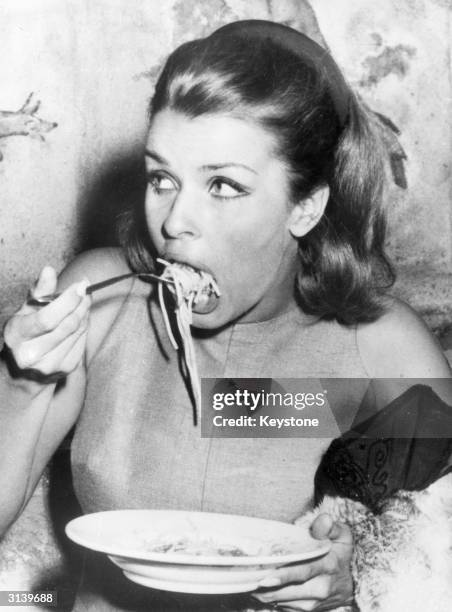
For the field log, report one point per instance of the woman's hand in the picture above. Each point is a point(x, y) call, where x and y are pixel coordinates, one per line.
point(47, 343)
point(323, 584)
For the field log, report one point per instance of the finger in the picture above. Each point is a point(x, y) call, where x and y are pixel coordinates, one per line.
point(30, 353)
point(299, 573)
point(56, 360)
point(300, 606)
point(325, 527)
point(318, 589)
point(46, 283)
point(75, 356)
point(305, 605)
point(338, 532)
point(46, 319)
point(322, 526)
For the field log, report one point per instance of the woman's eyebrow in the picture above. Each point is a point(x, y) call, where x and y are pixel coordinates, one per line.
point(227, 165)
point(156, 157)
point(207, 167)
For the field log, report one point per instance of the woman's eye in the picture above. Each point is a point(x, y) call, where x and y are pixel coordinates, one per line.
point(161, 183)
point(222, 188)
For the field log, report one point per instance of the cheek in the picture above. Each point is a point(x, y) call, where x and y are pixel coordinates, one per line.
point(252, 258)
point(261, 238)
point(155, 218)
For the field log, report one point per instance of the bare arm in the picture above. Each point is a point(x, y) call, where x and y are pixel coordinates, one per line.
point(36, 416)
point(401, 351)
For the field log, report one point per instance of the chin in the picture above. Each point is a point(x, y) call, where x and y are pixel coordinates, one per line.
point(212, 320)
point(218, 318)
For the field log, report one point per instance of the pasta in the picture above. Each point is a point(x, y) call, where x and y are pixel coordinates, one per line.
point(198, 545)
point(191, 288)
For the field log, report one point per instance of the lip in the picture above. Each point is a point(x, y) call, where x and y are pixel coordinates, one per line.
point(188, 261)
point(200, 307)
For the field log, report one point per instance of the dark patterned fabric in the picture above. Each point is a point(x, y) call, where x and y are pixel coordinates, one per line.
point(407, 445)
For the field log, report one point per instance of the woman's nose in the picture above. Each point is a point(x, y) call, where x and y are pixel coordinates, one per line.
point(182, 220)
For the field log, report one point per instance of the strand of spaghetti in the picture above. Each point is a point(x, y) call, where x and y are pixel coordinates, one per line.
point(188, 287)
point(184, 319)
point(166, 317)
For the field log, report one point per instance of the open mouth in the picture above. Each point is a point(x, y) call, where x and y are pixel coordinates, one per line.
point(197, 288)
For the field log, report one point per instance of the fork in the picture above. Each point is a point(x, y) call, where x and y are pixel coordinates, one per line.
point(43, 300)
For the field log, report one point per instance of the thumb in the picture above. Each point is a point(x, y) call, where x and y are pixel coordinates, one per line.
point(46, 283)
point(324, 527)
point(321, 527)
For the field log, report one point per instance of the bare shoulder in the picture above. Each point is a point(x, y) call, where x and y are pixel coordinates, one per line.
point(97, 265)
point(399, 344)
point(94, 265)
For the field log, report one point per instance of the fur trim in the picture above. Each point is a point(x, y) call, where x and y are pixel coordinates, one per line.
point(402, 558)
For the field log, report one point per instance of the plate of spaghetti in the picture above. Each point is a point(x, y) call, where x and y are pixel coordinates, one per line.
point(194, 552)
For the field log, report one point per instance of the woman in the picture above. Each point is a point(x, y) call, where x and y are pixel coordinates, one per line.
point(264, 172)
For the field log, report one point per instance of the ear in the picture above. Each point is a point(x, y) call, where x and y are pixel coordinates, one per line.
point(307, 213)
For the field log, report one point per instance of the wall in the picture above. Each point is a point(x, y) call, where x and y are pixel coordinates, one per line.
point(398, 56)
point(92, 64)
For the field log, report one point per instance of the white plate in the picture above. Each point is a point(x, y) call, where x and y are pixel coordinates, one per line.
point(209, 565)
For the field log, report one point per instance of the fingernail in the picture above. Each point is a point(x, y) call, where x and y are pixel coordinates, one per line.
point(81, 288)
point(270, 582)
point(44, 271)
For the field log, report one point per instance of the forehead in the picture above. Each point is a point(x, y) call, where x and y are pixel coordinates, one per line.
point(211, 139)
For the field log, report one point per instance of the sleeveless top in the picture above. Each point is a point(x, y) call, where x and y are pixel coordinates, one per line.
point(136, 445)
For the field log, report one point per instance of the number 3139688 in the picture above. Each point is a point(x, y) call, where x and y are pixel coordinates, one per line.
point(19, 598)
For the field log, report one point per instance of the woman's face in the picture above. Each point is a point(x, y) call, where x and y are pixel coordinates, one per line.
point(217, 199)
